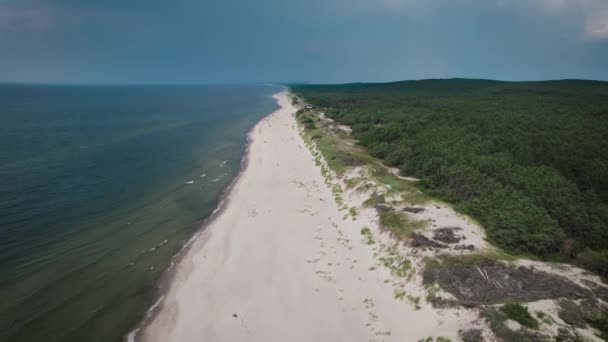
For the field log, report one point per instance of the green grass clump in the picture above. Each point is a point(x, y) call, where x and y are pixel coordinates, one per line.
point(545, 318)
point(353, 212)
point(367, 234)
point(520, 314)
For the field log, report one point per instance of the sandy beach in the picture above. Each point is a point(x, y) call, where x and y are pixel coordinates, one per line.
point(283, 263)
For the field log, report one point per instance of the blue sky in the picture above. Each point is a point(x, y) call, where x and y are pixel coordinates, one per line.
point(323, 41)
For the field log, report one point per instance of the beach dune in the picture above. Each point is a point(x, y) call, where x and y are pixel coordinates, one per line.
point(282, 263)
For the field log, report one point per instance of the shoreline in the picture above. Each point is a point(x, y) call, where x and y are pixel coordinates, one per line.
point(168, 275)
point(283, 262)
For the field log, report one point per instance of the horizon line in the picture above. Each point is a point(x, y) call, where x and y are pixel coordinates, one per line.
point(281, 83)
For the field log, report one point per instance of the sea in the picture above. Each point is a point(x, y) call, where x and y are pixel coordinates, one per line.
point(100, 187)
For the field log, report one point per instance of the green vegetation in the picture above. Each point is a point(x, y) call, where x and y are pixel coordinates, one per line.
point(438, 339)
point(374, 201)
point(520, 314)
point(496, 320)
point(395, 184)
point(471, 335)
point(336, 150)
point(353, 212)
point(367, 234)
point(528, 160)
point(398, 224)
point(568, 335)
point(397, 264)
point(545, 318)
point(466, 260)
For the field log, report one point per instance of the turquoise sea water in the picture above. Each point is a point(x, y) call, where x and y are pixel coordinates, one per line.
point(99, 187)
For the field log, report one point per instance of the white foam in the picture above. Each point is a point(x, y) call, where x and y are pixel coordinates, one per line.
point(203, 175)
point(155, 305)
point(218, 178)
point(194, 237)
point(218, 207)
point(190, 182)
point(131, 336)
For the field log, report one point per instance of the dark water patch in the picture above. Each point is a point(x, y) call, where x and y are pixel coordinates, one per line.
point(99, 188)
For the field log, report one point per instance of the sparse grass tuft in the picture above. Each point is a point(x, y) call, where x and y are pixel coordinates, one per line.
point(398, 223)
point(471, 335)
point(545, 318)
point(414, 300)
point(397, 264)
point(353, 182)
point(398, 185)
point(496, 319)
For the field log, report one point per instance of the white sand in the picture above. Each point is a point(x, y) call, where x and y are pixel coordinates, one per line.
point(286, 261)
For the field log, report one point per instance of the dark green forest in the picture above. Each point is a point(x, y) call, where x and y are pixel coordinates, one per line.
point(528, 160)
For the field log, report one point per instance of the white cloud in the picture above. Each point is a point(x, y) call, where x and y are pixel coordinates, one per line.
point(593, 13)
point(597, 25)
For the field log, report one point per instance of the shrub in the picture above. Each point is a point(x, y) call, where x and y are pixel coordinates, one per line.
point(594, 261)
point(520, 314)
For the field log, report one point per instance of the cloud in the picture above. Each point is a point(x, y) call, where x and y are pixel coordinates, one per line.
point(597, 25)
point(590, 15)
point(593, 14)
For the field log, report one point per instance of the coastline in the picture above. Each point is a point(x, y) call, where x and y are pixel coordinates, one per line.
point(281, 261)
point(168, 275)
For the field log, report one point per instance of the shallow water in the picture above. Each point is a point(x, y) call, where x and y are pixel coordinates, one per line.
point(99, 188)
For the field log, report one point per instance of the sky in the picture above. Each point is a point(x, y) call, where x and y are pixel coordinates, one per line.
point(316, 41)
